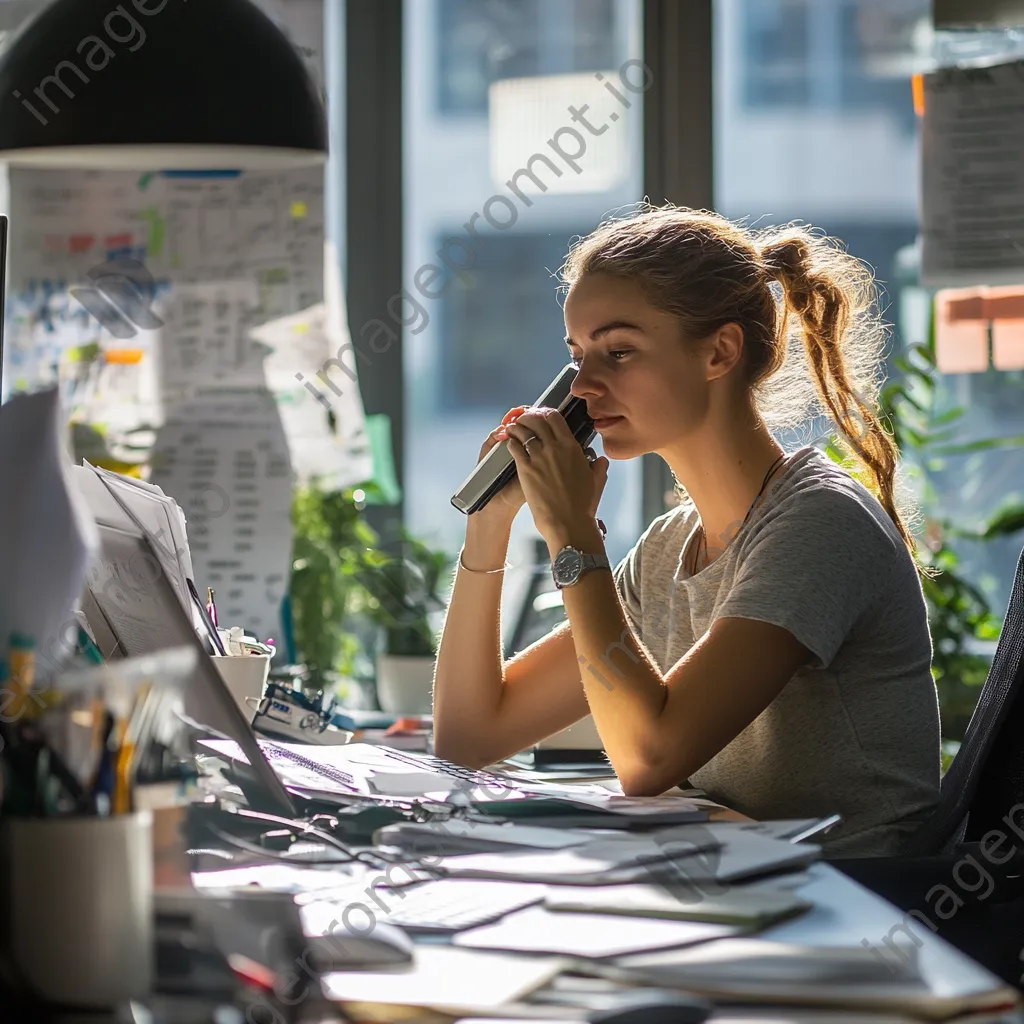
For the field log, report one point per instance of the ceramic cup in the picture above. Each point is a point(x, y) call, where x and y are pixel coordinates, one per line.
point(77, 903)
point(245, 676)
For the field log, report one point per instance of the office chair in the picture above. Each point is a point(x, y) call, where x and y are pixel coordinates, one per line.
point(983, 785)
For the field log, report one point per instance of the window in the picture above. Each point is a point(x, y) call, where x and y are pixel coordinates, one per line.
point(482, 41)
point(775, 43)
point(505, 307)
point(478, 42)
point(877, 46)
point(840, 55)
point(486, 84)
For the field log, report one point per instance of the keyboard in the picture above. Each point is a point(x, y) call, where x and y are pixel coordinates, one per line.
point(433, 763)
point(449, 905)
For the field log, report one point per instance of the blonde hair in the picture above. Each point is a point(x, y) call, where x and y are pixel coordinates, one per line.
point(813, 338)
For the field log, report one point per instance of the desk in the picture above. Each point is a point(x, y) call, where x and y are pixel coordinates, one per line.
point(845, 913)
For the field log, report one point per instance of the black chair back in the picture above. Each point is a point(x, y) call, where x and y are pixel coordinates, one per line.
point(985, 782)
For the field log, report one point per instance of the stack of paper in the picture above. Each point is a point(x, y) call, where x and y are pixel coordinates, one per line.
point(677, 859)
point(140, 507)
point(739, 970)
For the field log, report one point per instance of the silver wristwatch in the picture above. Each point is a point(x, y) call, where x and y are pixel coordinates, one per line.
point(570, 564)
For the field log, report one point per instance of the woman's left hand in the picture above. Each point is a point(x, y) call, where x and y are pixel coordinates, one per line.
point(561, 486)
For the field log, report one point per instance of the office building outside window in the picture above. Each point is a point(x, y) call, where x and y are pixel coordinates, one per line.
point(493, 197)
point(814, 120)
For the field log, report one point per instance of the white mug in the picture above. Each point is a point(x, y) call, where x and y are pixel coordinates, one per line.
point(245, 676)
point(77, 902)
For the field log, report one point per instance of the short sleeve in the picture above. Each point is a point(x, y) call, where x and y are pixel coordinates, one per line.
point(627, 580)
point(813, 568)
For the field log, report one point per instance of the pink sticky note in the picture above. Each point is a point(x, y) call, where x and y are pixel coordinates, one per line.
point(961, 335)
point(1008, 344)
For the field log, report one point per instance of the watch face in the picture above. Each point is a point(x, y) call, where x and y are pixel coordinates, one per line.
point(567, 567)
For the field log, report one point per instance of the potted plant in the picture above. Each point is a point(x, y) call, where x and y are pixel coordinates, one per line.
point(402, 598)
point(331, 545)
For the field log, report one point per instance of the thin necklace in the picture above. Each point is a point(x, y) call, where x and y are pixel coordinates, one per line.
point(699, 555)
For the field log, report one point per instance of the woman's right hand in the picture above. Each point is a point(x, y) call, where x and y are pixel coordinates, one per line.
point(510, 499)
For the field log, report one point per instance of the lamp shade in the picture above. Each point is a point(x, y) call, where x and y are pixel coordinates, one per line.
point(157, 84)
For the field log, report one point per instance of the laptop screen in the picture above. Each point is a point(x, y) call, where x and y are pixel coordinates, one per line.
point(133, 609)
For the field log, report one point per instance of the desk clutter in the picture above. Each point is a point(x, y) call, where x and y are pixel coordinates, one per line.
point(208, 843)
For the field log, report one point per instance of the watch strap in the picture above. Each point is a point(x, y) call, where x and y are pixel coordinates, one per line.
point(595, 562)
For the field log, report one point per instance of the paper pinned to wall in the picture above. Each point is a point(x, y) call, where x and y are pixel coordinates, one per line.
point(205, 340)
point(225, 257)
point(972, 178)
point(319, 399)
point(225, 459)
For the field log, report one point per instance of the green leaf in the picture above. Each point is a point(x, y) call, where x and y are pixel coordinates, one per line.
point(948, 416)
point(982, 445)
point(1006, 521)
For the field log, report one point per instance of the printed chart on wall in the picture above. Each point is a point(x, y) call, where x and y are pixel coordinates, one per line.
point(972, 175)
point(180, 315)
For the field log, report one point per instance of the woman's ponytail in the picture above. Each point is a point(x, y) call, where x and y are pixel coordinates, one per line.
point(820, 285)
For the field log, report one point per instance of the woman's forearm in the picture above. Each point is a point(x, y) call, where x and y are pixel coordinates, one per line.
point(625, 692)
point(468, 678)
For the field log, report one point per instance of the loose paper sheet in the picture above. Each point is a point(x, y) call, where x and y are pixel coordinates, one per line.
point(446, 978)
point(972, 215)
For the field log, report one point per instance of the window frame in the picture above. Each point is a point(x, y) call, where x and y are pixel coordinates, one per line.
point(678, 168)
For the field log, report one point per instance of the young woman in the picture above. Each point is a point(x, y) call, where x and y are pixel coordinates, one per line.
point(767, 639)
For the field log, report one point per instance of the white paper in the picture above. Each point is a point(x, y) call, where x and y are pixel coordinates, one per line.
point(307, 386)
point(48, 537)
point(225, 459)
point(446, 978)
point(277, 877)
point(205, 340)
point(162, 521)
point(972, 152)
point(528, 836)
point(537, 930)
point(591, 861)
point(226, 256)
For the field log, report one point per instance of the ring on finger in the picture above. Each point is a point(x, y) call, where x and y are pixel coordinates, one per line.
point(530, 440)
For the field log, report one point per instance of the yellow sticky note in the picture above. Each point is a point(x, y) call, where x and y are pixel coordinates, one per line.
point(299, 208)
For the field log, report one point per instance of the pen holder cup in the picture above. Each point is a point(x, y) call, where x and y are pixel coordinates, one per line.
point(76, 907)
point(245, 675)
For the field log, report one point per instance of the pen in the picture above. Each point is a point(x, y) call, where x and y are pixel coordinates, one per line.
point(88, 648)
point(211, 607)
point(218, 645)
point(123, 778)
point(103, 786)
point(21, 667)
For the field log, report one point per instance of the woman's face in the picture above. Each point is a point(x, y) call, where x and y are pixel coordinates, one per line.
point(646, 388)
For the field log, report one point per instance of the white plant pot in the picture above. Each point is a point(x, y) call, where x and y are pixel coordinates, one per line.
point(404, 684)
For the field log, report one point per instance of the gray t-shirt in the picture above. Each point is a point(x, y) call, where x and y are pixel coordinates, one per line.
point(856, 731)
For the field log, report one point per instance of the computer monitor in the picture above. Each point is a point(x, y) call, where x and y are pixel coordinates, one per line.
point(133, 609)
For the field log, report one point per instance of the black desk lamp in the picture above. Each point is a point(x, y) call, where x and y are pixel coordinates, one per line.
point(157, 85)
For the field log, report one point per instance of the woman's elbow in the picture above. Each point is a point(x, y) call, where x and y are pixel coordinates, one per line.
point(639, 785)
point(648, 779)
point(449, 746)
